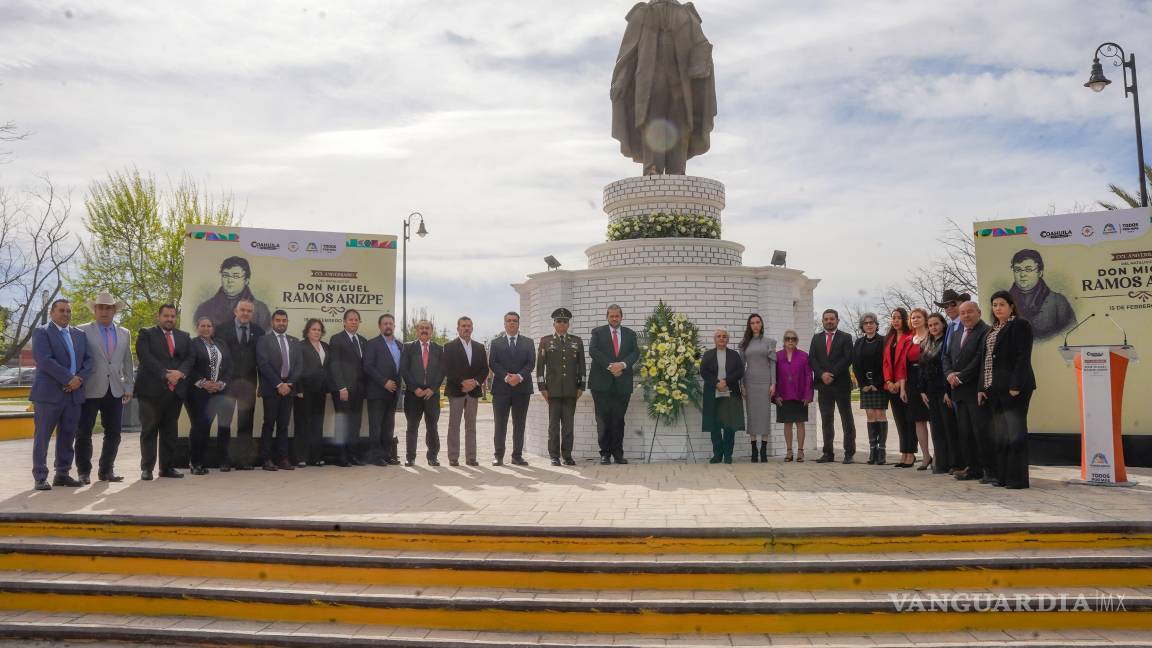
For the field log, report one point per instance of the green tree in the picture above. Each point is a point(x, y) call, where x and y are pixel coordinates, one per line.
point(136, 245)
point(440, 336)
point(1129, 200)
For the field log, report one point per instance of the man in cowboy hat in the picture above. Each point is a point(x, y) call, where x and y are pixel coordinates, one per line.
point(950, 302)
point(107, 390)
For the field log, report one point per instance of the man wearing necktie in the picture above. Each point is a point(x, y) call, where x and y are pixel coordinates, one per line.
point(614, 352)
point(279, 360)
point(962, 365)
point(421, 367)
point(346, 379)
point(950, 303)
point(63, 365)
point(165, 359)
point(240, 336)
point(511, 359)
point(830, 357)
point(107, 391)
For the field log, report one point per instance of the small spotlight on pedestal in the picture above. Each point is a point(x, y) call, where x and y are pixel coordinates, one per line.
point(552, 262)
point(779, 257)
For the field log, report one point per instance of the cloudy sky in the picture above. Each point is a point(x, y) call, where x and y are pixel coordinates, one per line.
point(848, 131)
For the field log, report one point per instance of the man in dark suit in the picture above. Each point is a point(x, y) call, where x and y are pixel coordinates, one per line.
point(240, 336)
point(346, 377)
point(164, 360)
point(63, 363)
point(511, 358)
point(614, 352)
point(382, 381)
point(465, 370)
point(830, 356)
point(279, 360)
point(421, 367)
point(962, 369)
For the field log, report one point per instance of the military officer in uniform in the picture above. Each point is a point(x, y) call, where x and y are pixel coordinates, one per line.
point(560, 377)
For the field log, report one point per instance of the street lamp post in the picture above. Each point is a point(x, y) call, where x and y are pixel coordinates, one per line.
point(421, 231)
point(1097, 82)
point(44, 302)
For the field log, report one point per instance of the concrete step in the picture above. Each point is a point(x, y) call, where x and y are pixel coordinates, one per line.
point(665, 613)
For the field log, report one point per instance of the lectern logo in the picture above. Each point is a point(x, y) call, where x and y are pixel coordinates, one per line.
point(1100, 460)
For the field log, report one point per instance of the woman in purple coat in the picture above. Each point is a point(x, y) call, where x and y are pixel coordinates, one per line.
point(792, 392)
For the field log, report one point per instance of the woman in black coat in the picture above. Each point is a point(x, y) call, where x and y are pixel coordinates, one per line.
point(722, 406)
point(933, 391)
point(1007, 383)
point(308, 410)
point(208, 397)
point(868, 367)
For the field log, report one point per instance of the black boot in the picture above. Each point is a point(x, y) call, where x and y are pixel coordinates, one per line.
point(881, 443)
point(763, 452)
point(755, 455)
point(871, 442)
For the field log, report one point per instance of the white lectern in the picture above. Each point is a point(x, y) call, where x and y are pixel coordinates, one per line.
point(1100, 372)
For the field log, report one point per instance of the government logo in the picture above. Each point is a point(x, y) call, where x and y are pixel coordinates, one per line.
point(1056, 234)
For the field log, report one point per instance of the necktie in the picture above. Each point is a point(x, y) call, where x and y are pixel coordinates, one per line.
point(356, 343)
point(828, 343)
point(171, 353)
point(964, 337)
point(244, 335)
point(512, 342)
point(283, 356)
point(424, 354)
point(71, 351)
point(615, 342)
point(109, 341)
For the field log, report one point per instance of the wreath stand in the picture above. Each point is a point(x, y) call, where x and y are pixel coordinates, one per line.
point(687, 439)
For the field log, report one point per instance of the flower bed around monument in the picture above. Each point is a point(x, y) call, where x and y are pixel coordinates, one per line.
point(668, 365)
point(661, 225)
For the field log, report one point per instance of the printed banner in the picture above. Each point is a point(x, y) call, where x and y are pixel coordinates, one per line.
point(307, 274)
point(1092, 269)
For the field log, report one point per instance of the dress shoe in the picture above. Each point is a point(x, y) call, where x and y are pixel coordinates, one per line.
point(848, 459)
point(433, 462)
point(379, 462)
point(65, 480)
point(555, 462)
point(452, 462)
point(988, 480)
point(604, 461)
point(497, 462)
point(225, 468)
point(111, 477)
point(146, 475)
point(269, 466)
point(355, 461)
point(342, 462)
point(968, 476)
point(715, 460)
point(569, 461)
point(472, 462)
point(42, 484)
point(826, 459)
point(391, 462)
point(519, 461)
point(285, 465)
point(409, 463)
point(1016, 486)
point(301, 464)
point(172, 473)
point(199, 470)
point(84, 478)
point(622, 460)
point(316, 464)
point(246, 467)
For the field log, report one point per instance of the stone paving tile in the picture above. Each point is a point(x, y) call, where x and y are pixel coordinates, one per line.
point(660, 495)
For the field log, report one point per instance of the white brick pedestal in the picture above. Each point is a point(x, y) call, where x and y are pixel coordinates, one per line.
point(702, 278)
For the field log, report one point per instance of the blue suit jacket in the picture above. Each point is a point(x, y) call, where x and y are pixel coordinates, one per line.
point(52, 365)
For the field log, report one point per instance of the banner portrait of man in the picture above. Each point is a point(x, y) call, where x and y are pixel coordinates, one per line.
point(235, 275)
point(1049, 312)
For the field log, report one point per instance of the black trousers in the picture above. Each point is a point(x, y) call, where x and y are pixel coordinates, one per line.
point(159, 416)
point(976, 449)
point(900, 420)
point(239, 416)
point(274, 431)
point(830, 400)
point(611, 409)
point(1010, 422)
point(308, 424)
point(941, 448)
point(381, 428)
point(723, 440)
point(428, 409)
point(111, 411)
point(561, 417)
point(952, 438)
point(203, 408)
point(502, 406)
point(349, 418)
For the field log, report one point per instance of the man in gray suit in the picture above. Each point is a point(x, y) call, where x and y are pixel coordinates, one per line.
point(107, 390)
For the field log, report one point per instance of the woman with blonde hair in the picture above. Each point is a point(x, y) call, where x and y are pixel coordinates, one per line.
point(910, 393)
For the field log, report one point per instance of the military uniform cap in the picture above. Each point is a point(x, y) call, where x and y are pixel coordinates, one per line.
point(561, 315)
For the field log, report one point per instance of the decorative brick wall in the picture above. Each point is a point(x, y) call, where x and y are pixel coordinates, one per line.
point(664, 193)
point(664, 251)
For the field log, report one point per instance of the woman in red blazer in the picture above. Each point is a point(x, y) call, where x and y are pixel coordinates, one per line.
point(896, 344)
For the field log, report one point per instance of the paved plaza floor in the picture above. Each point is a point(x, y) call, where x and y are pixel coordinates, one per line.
point(658, 495)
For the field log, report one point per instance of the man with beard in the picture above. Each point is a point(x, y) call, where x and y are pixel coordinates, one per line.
point(164, 356)
point(235, 273)
point(278, 357)
point(1048, 312)
point(830, 356)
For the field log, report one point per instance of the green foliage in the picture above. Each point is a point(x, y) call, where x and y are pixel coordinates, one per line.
point(661, 225)
point(440, 336)
point(668, 364)
point(136, 245)
point(1130, 201)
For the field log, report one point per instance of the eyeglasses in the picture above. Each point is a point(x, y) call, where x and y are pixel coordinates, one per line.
point(789, 338)
point(238, 277)
point(1027, 269)
point(867, 322)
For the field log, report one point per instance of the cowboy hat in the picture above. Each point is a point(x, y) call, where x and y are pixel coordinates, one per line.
point(952, 296)
point(106, 299)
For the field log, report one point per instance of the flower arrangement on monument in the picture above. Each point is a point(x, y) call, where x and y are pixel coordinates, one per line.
point(668, 363)
point(661, 225)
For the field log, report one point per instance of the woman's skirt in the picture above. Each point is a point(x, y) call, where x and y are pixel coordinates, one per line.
point(792, 411)
point(874, 400)
point(759, 407)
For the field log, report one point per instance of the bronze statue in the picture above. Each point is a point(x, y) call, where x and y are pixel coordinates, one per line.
point(663, 88)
